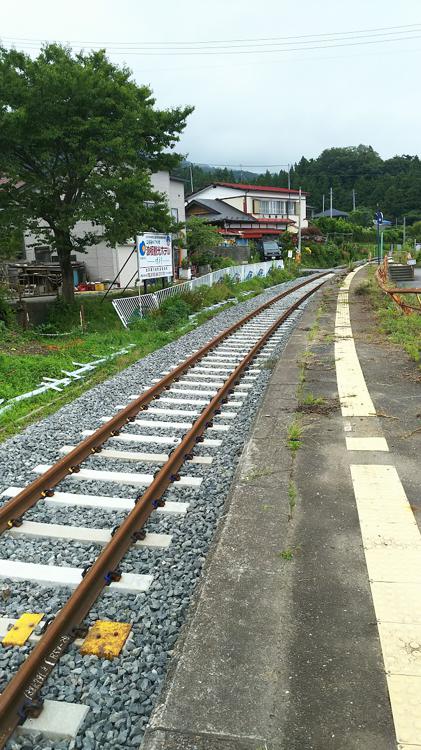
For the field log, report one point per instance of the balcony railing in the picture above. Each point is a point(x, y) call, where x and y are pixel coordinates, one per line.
point(261, 215)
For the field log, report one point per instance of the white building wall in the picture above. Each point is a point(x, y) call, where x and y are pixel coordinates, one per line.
point(103, 262)
point(177, 200)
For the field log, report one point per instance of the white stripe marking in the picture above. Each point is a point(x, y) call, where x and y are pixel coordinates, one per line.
point(366, 444)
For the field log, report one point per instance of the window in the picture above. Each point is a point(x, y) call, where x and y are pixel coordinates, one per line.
point(174, 213)
point(292, 207)
point(273, 207)
point(42, 254)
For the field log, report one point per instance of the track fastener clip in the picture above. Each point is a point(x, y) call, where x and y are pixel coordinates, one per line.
point(31, 709)
point(14, 522)
point(113, 575)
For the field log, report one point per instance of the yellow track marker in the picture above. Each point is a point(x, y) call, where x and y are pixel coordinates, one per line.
point(22, 629)
point(106, 638)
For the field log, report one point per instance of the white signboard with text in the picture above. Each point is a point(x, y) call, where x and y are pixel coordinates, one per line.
point(154, 255)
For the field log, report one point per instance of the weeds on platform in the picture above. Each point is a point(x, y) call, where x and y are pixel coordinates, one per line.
point(363, 289)
point(294, 435)
point(258, 474)
point(287, 554)
point(310, 400)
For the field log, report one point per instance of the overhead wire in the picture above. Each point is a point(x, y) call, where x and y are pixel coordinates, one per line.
point(283, 44)
point(251, 40)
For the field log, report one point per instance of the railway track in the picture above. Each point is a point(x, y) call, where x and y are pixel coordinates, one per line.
point(184, 416)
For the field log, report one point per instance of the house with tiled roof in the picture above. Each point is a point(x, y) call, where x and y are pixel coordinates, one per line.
point(241, 211)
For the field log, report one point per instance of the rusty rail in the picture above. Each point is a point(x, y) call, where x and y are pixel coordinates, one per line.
point(395, 293)
point(43, 486)
point(19, 698)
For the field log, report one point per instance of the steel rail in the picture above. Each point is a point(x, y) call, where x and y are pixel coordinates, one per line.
point(19, 698)
point(13, 509)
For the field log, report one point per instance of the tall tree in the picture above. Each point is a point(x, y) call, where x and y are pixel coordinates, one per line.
point(78, 141)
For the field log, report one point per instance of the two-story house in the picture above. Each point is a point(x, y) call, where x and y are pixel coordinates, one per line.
point(243, 212)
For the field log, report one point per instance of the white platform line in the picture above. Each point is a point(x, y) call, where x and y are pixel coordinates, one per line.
point(122, 477)
point(104, 502)
point(55, 575)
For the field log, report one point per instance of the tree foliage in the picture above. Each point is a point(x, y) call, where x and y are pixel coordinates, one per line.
point(78, 141)
point(201, 235)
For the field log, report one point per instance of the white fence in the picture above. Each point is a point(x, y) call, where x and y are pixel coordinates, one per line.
point(131, 308)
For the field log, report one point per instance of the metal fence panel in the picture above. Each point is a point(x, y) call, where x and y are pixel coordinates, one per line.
point(131, 308)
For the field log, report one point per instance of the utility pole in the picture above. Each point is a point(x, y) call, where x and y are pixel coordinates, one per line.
point(404, 231)
point(353, 199)
point(191, 177)
point(331, 202)
point(379, 220)
point(299, 221)
point(289, 176)
point(323, 203)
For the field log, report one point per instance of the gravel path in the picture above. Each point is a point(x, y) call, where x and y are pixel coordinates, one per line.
point(121, 693)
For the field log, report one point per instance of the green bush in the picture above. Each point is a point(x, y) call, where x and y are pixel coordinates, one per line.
point(172, 313)
point(6, 313)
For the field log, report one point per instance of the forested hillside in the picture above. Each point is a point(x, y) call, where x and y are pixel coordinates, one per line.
point(392, 184)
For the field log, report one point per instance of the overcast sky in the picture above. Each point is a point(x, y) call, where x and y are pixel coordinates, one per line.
point(264, 101)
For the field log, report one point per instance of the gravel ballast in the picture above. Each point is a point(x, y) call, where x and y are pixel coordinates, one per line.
point(121, 693)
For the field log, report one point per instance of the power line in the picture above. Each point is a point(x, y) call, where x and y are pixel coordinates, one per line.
point(259, 51)
point(236, 166)
point(252, 40)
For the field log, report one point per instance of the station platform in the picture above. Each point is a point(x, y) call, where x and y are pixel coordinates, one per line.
point(305, 633)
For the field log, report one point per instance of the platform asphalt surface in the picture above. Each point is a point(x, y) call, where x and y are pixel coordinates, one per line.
point(282, 649)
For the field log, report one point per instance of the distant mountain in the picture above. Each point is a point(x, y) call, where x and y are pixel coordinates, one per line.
point(239, 174)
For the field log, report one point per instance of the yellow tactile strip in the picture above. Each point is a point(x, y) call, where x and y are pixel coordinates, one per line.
point(353, 394)
point(391, 540)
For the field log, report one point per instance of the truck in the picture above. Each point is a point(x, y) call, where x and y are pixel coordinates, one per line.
point(269, 250)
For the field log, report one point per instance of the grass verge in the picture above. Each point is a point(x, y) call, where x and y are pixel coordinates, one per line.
point(28, 356)
point(403, 330)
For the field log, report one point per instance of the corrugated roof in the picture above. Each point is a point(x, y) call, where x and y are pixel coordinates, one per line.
point(221, 208)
